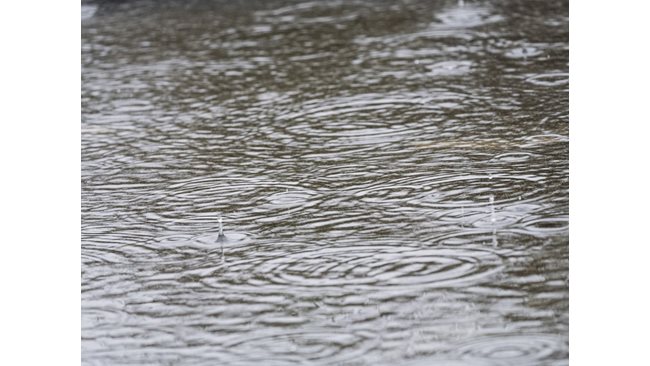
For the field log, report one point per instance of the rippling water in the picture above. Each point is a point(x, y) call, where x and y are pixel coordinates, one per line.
point(392, 178)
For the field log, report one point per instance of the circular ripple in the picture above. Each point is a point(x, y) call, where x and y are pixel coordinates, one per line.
point(364, 118)
point(512, 157)
point(289, 198)
point(211, 187)
point(388, 194)
point(516, 349)
point(547, 226)
point(539, 140)
point(476, 190)
point(379, 266)
point(489, 216)
point(466, 16)
point(449, 68)
point(203, 198)
point(551, 79)
point(231, 237)
point(457, 191)
point(290, 347)
point(523, 52)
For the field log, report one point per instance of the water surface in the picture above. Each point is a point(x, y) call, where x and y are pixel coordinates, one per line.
point(392, 178)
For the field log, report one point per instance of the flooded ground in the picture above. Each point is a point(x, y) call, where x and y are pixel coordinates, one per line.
point(392, 179)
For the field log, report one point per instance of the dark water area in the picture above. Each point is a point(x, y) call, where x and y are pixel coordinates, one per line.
point(392, 178)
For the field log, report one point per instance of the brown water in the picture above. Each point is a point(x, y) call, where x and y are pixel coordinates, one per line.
point(392, 179)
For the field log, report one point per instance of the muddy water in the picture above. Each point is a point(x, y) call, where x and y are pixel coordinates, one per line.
point(392, 179)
